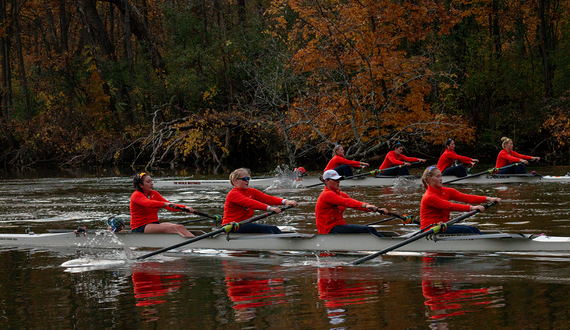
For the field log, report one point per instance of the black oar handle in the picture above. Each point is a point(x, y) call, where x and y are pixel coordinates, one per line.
point(406, 218)
point(431, 231)
point(212, 233)
point(217, 218)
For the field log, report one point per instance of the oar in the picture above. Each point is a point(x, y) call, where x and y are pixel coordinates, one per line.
point(410, 221)
point(380, 221)
point(373, 172)
point(192, 221)
point(227, 228)
point(431, 231)
point(489, 171)
point(217, 218)
point(405, 218)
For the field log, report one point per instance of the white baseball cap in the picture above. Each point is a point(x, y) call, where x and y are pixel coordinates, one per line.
point(331, 174)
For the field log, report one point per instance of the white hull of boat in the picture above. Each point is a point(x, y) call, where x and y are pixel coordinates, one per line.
point(493, 242)
point(362, 182)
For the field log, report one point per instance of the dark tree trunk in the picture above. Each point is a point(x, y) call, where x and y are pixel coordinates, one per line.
point(6, 92)
point(543, 6)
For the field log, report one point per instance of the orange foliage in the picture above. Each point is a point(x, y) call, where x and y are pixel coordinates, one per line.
point(365, 87)
point(559, 126)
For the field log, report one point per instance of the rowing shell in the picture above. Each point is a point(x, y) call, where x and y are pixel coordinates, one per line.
point(278, 182)
point(489, 242)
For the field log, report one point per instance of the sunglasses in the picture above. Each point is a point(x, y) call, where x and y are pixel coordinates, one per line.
point(245, 178)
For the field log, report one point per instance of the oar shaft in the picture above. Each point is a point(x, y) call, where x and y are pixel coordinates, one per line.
point(418, 236)
point(373, 172)
point(192, 221)
point(189, 241)
point(212, 233)
point(489, 171)
point(391, 248)
point(380, 221)
point(216, 217)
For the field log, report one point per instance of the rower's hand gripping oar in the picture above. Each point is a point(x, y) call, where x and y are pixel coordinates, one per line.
point(489, 171)
point(373, 172)
point(217, 218)
point(433, 230)
point(227, 228)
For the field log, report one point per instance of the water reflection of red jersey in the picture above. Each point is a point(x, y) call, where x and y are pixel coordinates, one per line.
point(445, 298)
point(252, 292)
point(149, 285)
point(334, 290)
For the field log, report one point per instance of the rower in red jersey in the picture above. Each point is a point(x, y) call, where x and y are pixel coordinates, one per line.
point(242, 201)
point(331, 205)
point(342, 165)
point(395, 158)
point(145, 203)
point(508, 156)
point(445, 163)
point(436, 205)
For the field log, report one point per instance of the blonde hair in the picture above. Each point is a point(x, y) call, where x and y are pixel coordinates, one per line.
point(234, 175)
point(428, 173)
point(505, 140)
point(338, 146)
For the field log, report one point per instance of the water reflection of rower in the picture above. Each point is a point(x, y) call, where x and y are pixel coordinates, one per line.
point(151, 287)
point(336, 293)
point(247, 292)
point(445, 298)
point(334, 290)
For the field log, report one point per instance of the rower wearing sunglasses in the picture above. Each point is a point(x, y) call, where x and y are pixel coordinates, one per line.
point(242, 200)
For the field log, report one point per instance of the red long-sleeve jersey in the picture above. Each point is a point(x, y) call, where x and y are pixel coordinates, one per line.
point(339, 160)
point(330, 207)
point(505, 158)
point(436, 205)
point(392, 160)
point(240, 204)
point(144, 209)
point(446, 159)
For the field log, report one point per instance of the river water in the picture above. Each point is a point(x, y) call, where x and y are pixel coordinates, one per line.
point(232, 290)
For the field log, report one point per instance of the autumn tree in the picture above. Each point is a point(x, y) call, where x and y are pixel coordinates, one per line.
point(509, 57)
point(367, 76)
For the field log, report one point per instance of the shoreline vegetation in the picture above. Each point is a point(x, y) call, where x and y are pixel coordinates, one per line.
point(216, 84)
